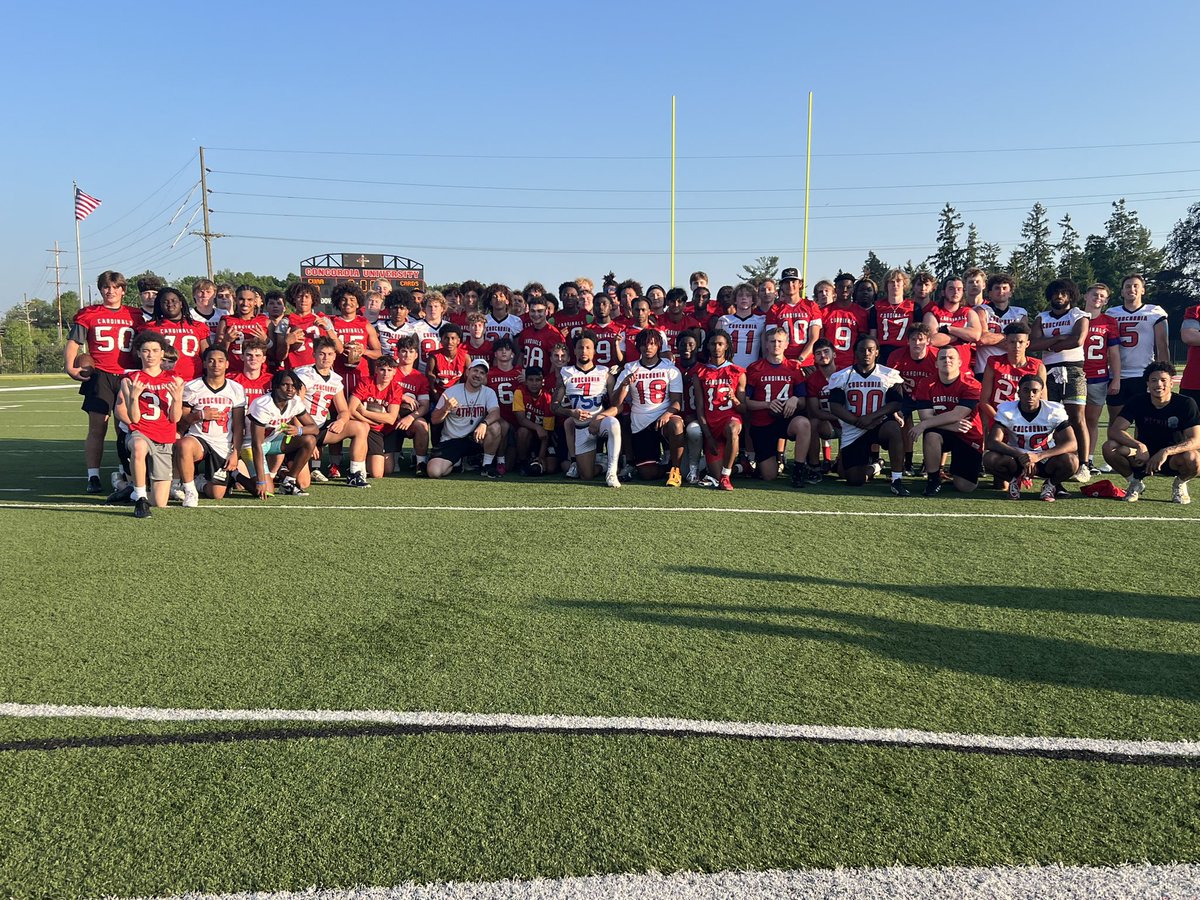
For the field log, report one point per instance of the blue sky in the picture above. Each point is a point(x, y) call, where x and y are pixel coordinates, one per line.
point(531, 140)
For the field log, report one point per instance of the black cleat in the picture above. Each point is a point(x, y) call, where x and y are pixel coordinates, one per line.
point(94, 486)
point(898, 488)
point(121, 495)
point(933, 488)
point(491, 470)
point(141, 509)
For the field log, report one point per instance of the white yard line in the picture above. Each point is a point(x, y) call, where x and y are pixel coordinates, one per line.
point(1163, 882)
point(44, 387)
point(283, 505)
point(905, 737)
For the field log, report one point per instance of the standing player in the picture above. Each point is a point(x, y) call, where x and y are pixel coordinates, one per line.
point(653, 387)
point(640, 309)
point(204, 304)
point(246, 321)
point(1059, 333)
point(294, 341)
point(571, 319)
point(996, 315)
point(149, 404)
point(396, 321)
point(745, 327)
point(106, 329)
point(188, 336)
point(580, 395)
point(844, 323)
point(610, 337)
point(254, 378)
point(675, 321)
point(447, 366)
point(429, 330)
point(360, 342)
point(953, 323)
point(539, 336)
point(892, 317)
point(801, 318)
point(214, 409)
point(719, 388)
point(1168, 436)
point(1101, 366)
point(469, 414)
point(775, 399)
point(865, 397)
point(324, 390)
point(1031, 436)
point(1143, 329)
point(949, 422)
point(500, 322)
point(924, 294)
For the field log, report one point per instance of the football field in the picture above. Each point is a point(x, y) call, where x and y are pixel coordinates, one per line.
point(472, 681)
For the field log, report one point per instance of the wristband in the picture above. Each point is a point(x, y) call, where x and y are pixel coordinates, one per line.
point(261, 483)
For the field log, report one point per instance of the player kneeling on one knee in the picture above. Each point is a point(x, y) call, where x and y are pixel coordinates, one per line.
point(948, 407)
point(214, 409)
point(653, 388)
point(1031, 436)
point(1168, 436)
point(469, 413)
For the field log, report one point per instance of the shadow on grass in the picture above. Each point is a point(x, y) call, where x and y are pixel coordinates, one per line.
point(1016, 658)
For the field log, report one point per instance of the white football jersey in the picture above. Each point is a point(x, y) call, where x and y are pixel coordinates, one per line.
point(650, 390)
point(865, 394)
point(264, 411)
point(1062, 326)
point(994, 321)
point(584, 390)
point(216, 433)
point(745, 335)
point(1031, 434)
point(389, 334)
point(429, 341)
point(510, 326)
point(1137, 337)
point(319, 391)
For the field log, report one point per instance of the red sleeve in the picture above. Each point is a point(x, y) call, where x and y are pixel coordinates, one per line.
point(1193, 312)
point(365, 389)
point(969, 389)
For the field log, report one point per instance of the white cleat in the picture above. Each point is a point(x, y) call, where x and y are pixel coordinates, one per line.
point(573, 470)
point(1134, 490)
point(1179, 493)
point(1083, 475)
point(191, 499)
point(176, 491)
point(612, 480)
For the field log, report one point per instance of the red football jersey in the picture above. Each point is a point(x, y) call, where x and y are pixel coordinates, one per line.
point(449, 371)
point(154, 406)
point(367, 391)
point(356, 331)
point(570, 326)
point(414, 383)
point(798, 319)
point(483, 351)
point(235, 333)
point(670, 330)
point(536, 344)
point(505, 384)
point(767, 381)
point(718, 387)
point(535, 407)
point(843, 326)
point(956, 319)
point(185, 336)
point(108, 334)
point(630, 335)
point(1104, 333)
point(1006, 377)
point(913, 371)
point(892, 322)
point(963, 391)
point(304, 355)
point(816, 384)
point(254, 387)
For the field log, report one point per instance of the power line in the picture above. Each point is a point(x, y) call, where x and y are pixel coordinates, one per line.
point(655, 222)
point(776, 190)
point(147, 200)
point(149, 222)
point(659, 158)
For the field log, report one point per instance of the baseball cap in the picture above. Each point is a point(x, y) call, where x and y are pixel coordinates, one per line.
point(479, 362)
point(1104, 489)
point(790, 274)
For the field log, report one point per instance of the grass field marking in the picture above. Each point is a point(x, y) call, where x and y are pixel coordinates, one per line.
point(42, 387)
point(266, 507)
point(16, 490)
point(918, 882)
point(1098, 749)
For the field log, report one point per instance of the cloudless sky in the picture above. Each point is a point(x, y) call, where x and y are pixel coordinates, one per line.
point(531, 141)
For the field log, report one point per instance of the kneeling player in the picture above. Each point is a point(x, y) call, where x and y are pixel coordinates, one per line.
point(775, 397)
point(1168, 436)
point(325, 390)
point(469, 413)
point(866, 398)
point(280, 436)
point(654, 388)
point(214, 409)
point(580, 395)
point(532, 405)
point(1031, 436)
point(376, 403)
point(948, 407)
point(720, 391)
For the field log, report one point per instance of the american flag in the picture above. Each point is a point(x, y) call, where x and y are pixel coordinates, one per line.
point(85, 205)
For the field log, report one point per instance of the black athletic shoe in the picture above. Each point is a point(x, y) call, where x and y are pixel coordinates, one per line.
point(422, 469)
point(899, 489)
point(491, 470)
point(933, 488)
point(799, 477)
point(289, 488)
point(121, 495)
point(94, 486)
point(141, 509)
point(357, 480)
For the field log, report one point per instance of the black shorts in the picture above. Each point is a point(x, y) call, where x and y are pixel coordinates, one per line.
point(213, 462)
point(99, 392)
point(966, 461)
point(454, 449)
point(858, 454)
point(376, 443)
point(324, 430)
point(558, 443)
point(766, 438)
point(646, 446)
point(1131, 388)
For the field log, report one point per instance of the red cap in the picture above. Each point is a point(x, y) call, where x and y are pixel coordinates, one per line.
point(1104, 489)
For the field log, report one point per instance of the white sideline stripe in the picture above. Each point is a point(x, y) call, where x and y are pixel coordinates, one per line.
point(43, 387)
point(261, 507)
point(16, 490)
point(521, 722)
point(1060, 882)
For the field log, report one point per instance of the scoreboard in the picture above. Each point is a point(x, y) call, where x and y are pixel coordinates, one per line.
point(328, 270)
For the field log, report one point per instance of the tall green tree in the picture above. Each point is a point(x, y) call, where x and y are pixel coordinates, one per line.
point(1183, 251)
point(760, 270)
point(1131, 242)
point(1072, 261)
point(948, 258)
point(1032, 262)
point(973, 252)
point(989, 258)
point(875, 268)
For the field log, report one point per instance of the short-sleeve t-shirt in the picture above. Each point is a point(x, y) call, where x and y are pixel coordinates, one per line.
point(1158, 428)
point(472, 408)
point(154, 406)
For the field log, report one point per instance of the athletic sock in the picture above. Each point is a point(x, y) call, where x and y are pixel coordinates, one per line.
point(896, 476)
point(908, 460)
point(93, 473)
point(359, 466)
point(489, 458)
point(189, 487)
point(725, 471)
point(139, 493)
point(1139, 472)
point(933, 477)
point(422, 459)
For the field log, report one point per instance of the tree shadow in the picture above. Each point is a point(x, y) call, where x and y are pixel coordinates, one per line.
point(1015, 658)
point(1075, 600)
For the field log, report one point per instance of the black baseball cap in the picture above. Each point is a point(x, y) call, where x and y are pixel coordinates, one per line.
point(790, 274)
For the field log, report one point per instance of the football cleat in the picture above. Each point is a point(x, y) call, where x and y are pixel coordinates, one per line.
point(693, 475)
point(491, 470)
point(1026, 482)
point(333, 471)
point(318, 477)
point(674, 478)
point(1083, 474)
point(898, 488)
point(1104, 469)
point(799, 476)
point(612, 480)
point(707, 482)
point(1049, 489)
point(1014, 489)
point(357, 480)
point(876, 469)
point(176, 491)
point(93, 485)
point(1134, 490)
point(627, 472)
point(1179, 492)
point(572, 470)
point(725, 484)
point(121, 495)
point(289, 488)
point(191, 499)
point(118, 480)
point(933, 488)
point(141, 509)
point(422, 469)
point(814, 474)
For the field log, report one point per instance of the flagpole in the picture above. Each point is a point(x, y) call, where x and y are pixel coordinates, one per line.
point(807, 178)
point(78, 247)
point(672, 281)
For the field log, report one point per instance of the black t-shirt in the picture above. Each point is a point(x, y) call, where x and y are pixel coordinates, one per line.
point(1158, 428)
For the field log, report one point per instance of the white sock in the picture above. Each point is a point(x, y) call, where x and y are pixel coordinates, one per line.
point(421, 458)
point(725, 470)
point(189, 487)
point(896, 476)
point(612, 431)
point(139, 493)
point(358, 467)
point(93, 473)
point(489, 458)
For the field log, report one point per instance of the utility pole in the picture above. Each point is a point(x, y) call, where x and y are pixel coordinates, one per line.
point(207, 233)
point(58, 289)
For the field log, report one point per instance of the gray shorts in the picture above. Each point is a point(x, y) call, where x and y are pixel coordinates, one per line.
point(1069, 388)
point(160, 461)
point(1097, 393)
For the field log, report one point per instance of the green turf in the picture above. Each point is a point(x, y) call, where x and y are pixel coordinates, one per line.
point(999, 626)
